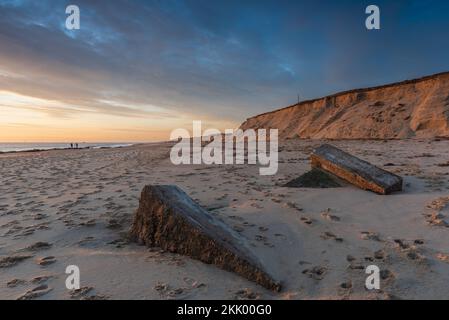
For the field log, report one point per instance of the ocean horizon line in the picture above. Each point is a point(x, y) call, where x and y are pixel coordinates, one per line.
point(6, 147)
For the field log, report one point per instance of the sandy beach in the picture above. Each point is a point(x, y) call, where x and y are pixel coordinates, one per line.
point(75, 207)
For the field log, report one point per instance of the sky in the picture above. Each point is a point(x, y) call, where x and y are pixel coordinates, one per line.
point(136, 70)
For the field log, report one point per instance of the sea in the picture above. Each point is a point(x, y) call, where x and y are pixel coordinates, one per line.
point(15, 147)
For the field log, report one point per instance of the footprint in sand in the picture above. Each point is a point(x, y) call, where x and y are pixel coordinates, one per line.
point(436, 219)
point(80, 293)
point(280, 235)
point(443, 257)
point(10, 261)
point(402, 244)
point(39, 216)
point(293, 205)
point(255, 205)
point(353, 264)
point(350, 258)
point(369, 235)
point(27, 232)
point(45, 261)
point(438, 211)
point(38, 246)
point(193, 283)
point(413, 254)
point(263, 239)
point(236, 218)
point(345, 288)
point(411, 251)
point(168, 292)
point(36, 280)
point(41, 279)
point(386, 275)
point(175, 293)
point(15, 282)
point(306, 220)
point(328, 216)
point(418, 241)
point(329, 235)
point(248, 224)
point(161, 287)
point(35, 293)
point(88, 223)
point(246, 294)
point(316, 272)
point(380, 255)
point(85, 293)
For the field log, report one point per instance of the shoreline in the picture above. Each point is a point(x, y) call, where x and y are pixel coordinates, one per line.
point(65, 149)
point(286, 140)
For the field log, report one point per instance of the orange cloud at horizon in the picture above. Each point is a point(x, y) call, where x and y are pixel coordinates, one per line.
point(29, 119)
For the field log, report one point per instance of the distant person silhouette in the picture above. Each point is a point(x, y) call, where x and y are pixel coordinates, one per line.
point(71, 146)
point(76, 145)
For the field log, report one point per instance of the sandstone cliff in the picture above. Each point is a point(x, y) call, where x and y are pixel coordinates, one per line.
point(415, 108)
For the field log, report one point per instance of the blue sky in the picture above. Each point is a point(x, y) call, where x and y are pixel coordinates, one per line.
point(155, 65)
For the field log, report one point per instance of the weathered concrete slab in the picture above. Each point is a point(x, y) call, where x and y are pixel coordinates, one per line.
point(168, 218)
point(354, 170)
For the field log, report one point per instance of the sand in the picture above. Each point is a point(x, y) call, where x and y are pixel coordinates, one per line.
point(75, 207)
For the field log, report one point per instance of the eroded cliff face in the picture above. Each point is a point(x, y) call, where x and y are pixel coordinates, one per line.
point(416, 108)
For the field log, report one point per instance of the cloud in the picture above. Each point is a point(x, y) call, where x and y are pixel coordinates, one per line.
point(63, 110)
point(222, 60)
